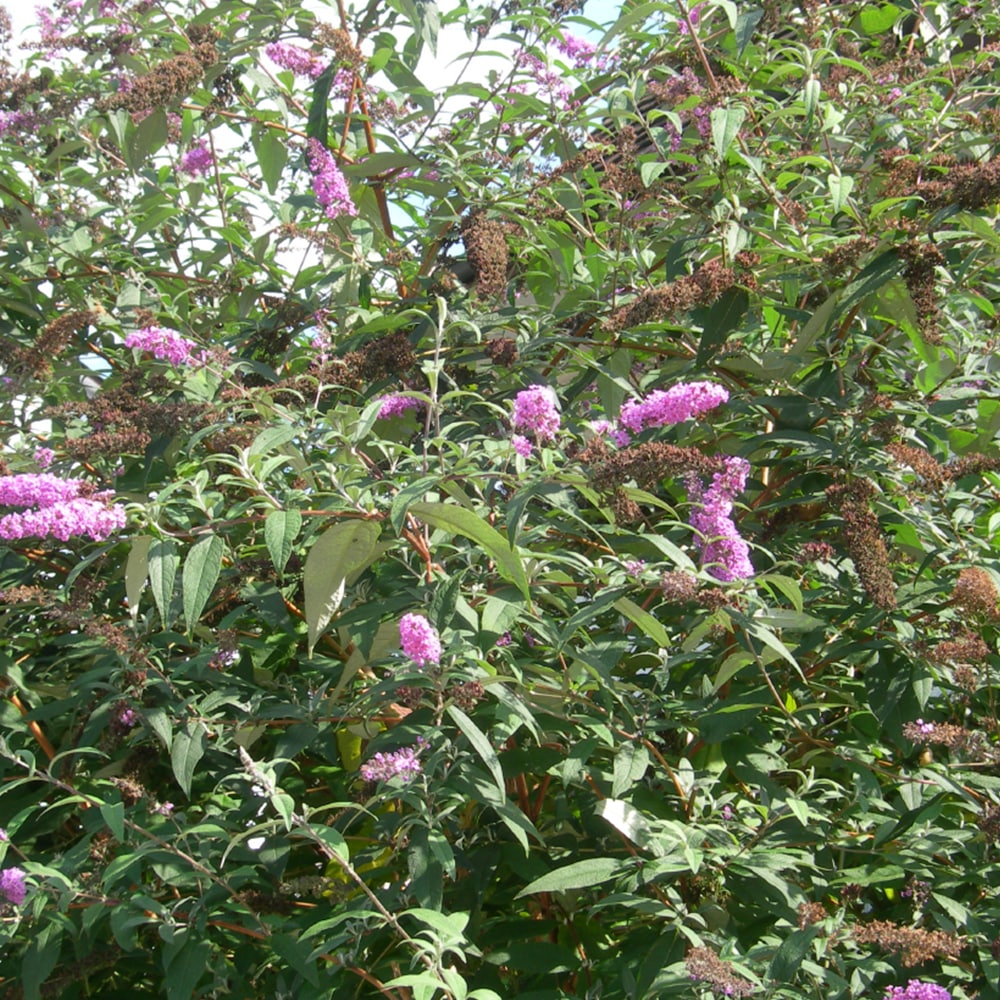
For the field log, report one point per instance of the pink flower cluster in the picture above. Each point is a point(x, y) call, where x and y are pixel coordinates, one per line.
point(61, 508)
point(166, 345)
point(395, 405)
point(398, 764)
point(16, 121)
point(581, 52)
point(52, 27)
point(549, 83)
point(12, 886)
point(521, 445)
point(38, 489)
point(725, 553)
point(537, 410)
point(329, 184)
point(917, 990)
point(672, 406)
point(291, 57)
point(198, 160)
point(419, 640)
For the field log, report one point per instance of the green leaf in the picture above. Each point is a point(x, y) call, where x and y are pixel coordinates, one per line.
point(297, 954)
point(40, 959)
point(746, 24)
point(145, 138)
point(272, 155)
point(630, 823)
point(840, 187)
point(281, 529)
point(337, 553)
point(481, 745)
point(319, 122)
point(451, 517)
point(114, 815)
point(188, 748)
point(731, 666)
point(405, 497)
point(788, 958)
point(158, 720)
point(201, 573)
point(811, 92)
point(650, 170)
point(163, 563)
point(272, 438)
point(333, 841)
point(718, 322)
point(184, 963)
point(726, 124)
point(137, 572)
point(649, 625)
point(876, 20)
point(631, 762)
point(579, 875)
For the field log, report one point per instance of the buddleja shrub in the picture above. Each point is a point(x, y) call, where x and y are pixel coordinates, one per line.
point(529, 538)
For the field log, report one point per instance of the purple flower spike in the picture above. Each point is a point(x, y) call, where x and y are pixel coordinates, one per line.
point(12, 886)
point(198, 160)
point(536, 410)
point(917, 990)
point(329, 184)
point(672, 406)
point(166, 345)
point(419, 640)
point(395, 406)
point(403, 764)
point(722, 549)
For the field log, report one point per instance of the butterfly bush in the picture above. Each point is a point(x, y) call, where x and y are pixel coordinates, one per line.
point(58, 508)
point(395, 406)
point(672, 406)
point(286, 509)
point(916, 989)
point(163, 344)
point(725, 553)
point(329, 184)
point(521, 445)
point(13, 888)
point(198, 160)
point(419, 640)
point(297, 60)
point(537, 410)
point(404, 764)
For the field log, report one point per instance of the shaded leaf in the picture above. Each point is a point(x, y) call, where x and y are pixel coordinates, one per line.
point(201, 573)
point(163, 563)
point(579, 875)
point(281, 528)
point(188, 748)
point(451, 517)
point(338, 552)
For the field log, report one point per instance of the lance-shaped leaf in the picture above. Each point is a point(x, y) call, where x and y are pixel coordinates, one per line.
point(578, 875)
point(726, 124)
point(188, 748)
point(482, 746)
point(450, 517)
point(201, 573)
point(137, 572)
point(280, 531)
point(338, 552)
point(163, 563)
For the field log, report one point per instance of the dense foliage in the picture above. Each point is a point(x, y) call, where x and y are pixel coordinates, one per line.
point(529, 537)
